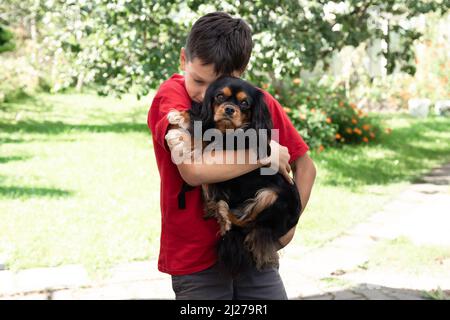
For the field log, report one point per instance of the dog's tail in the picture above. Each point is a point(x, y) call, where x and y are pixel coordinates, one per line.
point(262, 245)
point(233, 255)
point(238, 250)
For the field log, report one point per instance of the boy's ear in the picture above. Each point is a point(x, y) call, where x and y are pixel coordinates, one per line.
point(182, 59)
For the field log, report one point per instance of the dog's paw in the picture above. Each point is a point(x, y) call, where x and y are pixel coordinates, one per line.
point(174, 138)
point(179, 118)
point(175, 117)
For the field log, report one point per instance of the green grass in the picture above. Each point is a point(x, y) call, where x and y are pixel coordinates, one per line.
point(437, 294)
point(353, 182)
point(79, 182)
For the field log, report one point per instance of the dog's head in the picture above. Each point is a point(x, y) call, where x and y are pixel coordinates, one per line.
point(232, 103)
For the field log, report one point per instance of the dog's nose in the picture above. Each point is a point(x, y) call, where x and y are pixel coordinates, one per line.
point(229, 111)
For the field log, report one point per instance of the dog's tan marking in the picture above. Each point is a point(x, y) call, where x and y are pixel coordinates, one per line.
point(223, 216)
point(241, 95)
point(264, 198)
point(227, 91)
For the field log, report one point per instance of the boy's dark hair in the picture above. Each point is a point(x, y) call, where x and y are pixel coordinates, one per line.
point(221, 40)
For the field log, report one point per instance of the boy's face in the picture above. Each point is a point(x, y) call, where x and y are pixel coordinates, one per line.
point(197, 76)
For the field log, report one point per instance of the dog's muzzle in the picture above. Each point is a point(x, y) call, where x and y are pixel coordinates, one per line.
point(229, 110)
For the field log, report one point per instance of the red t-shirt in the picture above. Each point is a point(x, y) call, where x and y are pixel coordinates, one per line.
point(188, 242)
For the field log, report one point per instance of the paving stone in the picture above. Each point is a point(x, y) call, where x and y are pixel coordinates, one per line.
point(347, 295)
point(125, 291)
point(407, 296)
point(7, 286)
point(137, 271)
point(375, 295)
point(420, 213)
point(325, 296)
point(50, 278)
point(33, 296)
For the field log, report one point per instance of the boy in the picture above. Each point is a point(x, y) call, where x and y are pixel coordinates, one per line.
point(217, 45)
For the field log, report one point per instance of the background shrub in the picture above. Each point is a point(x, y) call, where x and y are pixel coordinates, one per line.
point(323, 115)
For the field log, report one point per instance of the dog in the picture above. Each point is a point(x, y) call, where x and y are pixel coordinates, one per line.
point(253, 210)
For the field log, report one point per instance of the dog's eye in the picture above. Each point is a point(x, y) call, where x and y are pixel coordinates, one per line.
point(220, 98)
point(244, 103)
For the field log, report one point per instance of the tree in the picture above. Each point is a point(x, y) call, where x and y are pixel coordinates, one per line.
point(125, 45)
point(6, 40)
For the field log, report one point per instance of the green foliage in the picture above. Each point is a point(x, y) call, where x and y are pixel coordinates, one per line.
point(6, 40)
point(125, 45)
point(17, 78)
point(437, 294)
point(323, 115)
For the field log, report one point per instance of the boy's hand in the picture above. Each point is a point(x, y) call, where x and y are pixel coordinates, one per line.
point(279, 158)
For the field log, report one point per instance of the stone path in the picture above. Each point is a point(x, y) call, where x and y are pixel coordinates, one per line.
point(421, 213)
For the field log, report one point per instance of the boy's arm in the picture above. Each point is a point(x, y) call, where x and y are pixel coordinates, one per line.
point(304, 176)
point(206, 172)
point(211, 171)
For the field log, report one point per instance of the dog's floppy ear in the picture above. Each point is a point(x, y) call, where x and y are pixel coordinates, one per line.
point(261, 118)
point(207, 112)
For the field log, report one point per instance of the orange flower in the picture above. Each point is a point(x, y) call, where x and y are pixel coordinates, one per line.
point(321, 148)
point(328, 120)
point(302, 116)
point(313, 110)
point(265, 85)
point(353, 105)
point(297, 81)
point(349, 130)
point(366, 127)
point(372, 135)
point(354, 121)
point(341, 104)
point(357, 131)
point(338, 136)
point(365, 139)
point(287, 109)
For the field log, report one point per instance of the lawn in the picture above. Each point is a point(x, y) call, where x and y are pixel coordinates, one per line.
point(354, 182)
point(79, 182)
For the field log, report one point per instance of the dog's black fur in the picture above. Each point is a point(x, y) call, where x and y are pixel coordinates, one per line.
point(256, 242)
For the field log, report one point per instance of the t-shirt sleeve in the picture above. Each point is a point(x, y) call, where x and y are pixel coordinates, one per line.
point(168, 98)
point(288, 135)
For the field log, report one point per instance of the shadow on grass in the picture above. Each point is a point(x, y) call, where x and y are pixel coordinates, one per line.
point(58, 127)
point(14, 158)
point(10, 140)
point(30, 192)
point(128, 122)
point(402, 157)
point(19, 97)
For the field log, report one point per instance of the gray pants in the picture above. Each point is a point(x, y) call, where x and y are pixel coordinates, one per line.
point(214, 284)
